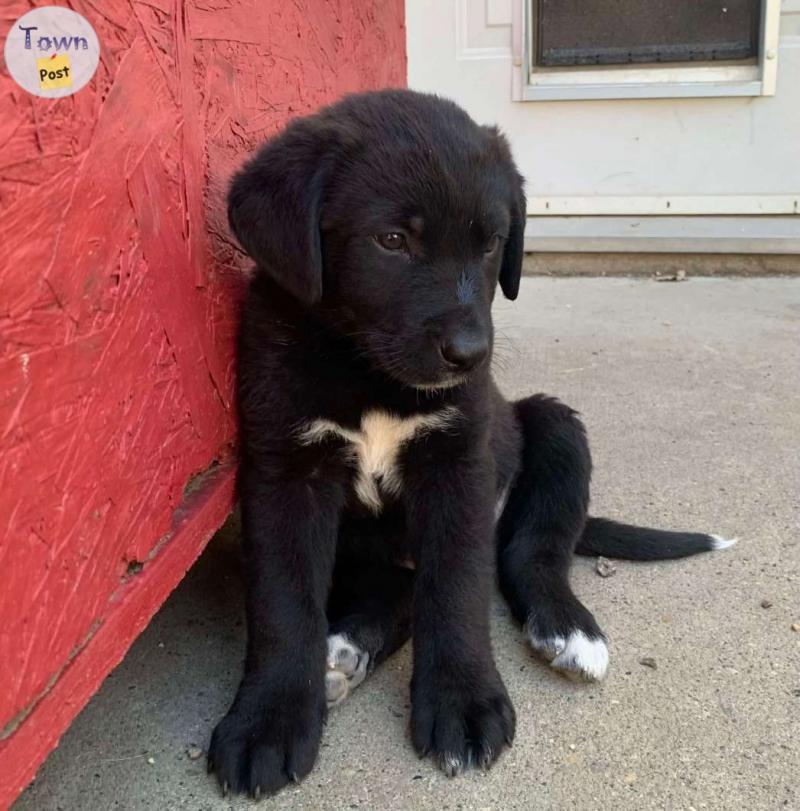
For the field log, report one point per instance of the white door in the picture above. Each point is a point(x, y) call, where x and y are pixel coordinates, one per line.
point(711, 144)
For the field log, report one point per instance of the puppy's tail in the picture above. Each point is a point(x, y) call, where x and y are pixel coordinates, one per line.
point(614, 540)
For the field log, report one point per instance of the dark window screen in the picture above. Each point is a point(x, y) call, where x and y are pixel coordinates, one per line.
point(617, 32)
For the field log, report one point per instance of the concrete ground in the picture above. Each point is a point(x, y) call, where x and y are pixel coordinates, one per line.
point(691, 395)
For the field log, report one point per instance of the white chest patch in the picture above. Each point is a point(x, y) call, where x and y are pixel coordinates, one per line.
point(375, 446)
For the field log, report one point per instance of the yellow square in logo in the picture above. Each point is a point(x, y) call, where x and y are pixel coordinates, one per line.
point(54, 71)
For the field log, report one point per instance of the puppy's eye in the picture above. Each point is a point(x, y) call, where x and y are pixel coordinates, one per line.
point(391, 241)
point(493, 244)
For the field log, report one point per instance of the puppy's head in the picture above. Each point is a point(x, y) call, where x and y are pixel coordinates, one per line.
point(394, 216)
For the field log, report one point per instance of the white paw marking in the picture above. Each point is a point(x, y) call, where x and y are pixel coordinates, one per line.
point(549, 647)
point(451, 764)
point(375, 446)
point(347, 668)
point(718, 542)
point(577, 655)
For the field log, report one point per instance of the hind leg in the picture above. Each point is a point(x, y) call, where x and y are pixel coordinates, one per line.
point(540, 525)
point(369, 618)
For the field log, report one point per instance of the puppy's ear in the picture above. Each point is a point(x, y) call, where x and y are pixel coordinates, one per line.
point(274, 206)
point(511, 269)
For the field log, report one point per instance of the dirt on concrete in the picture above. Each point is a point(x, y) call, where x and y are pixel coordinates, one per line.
point(653, 265)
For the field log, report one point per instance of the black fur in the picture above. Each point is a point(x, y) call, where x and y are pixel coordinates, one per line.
point(380, 228)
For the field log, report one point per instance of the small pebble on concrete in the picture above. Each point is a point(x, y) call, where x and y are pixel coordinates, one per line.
point(605, 568)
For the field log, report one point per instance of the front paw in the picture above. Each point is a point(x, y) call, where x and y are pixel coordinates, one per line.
point(462, 725)
point(267, 739)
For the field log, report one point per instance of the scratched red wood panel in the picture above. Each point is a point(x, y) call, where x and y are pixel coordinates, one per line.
point(118, 293)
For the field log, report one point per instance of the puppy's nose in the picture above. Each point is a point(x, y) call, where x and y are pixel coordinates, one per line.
point(465, 350)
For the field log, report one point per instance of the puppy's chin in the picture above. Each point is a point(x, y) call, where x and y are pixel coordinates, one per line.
point(424, 380)
point(444, 383)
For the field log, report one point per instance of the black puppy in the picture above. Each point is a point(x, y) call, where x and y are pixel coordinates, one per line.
point(384, 479)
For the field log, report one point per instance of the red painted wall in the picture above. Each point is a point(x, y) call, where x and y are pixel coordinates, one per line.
point(118, 290)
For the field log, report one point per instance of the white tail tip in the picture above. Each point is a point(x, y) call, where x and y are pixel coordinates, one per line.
point(718, 542)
